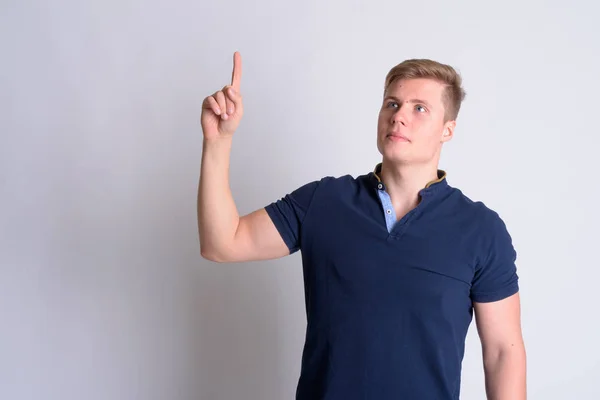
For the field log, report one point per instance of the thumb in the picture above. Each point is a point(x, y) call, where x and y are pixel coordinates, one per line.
point(235, 97)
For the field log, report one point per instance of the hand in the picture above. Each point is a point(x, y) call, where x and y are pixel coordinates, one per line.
point(222, 112)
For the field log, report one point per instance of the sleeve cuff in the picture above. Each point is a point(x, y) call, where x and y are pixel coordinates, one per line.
point(282, 227)
point(497, 295)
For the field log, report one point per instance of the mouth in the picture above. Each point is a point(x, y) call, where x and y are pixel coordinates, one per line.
point(397, 137)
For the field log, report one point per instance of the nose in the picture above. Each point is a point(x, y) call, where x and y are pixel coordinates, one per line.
point(398, 117)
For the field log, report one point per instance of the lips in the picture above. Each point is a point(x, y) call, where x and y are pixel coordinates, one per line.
point(397, 136)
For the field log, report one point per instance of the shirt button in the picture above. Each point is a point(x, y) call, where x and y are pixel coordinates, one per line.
point(389, 211)
point(380, 186)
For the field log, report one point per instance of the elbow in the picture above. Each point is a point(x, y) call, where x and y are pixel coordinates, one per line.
point(209, 254)
point(217, 250)
point(208, 250)
point(212, 254)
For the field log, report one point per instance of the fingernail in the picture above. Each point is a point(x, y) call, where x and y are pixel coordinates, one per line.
point(218, 111)
point(230, 111)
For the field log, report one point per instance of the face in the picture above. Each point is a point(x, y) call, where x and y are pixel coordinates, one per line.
point(411, 127)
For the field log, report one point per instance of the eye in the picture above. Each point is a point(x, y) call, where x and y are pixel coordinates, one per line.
point(420, 108)
point(392, 104)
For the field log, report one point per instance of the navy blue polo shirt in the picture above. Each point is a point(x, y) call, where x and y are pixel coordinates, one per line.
point(389, 302)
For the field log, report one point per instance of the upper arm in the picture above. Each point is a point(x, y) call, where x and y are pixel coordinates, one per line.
point(495, 289)
point(273, 231)
point(499, 324)
point(257, 238)
point(495, 276)
point(503, 350)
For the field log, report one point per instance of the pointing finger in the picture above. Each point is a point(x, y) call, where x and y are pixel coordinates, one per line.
point(236, 75)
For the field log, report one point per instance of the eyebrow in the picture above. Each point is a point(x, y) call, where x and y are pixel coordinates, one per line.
point(409, 101)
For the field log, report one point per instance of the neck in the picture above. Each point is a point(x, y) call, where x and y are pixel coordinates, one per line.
point(403, 182)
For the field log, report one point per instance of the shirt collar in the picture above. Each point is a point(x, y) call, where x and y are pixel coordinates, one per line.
point(436, 183)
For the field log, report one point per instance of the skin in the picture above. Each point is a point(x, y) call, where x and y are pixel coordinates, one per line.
point(411, 130)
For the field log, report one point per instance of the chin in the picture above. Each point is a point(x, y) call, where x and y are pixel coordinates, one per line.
point(394, 156)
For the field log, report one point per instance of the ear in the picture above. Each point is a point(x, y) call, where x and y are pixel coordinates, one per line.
point(448, 131)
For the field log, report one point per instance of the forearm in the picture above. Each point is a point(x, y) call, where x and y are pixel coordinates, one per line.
point(505, 373)
point(218, 216)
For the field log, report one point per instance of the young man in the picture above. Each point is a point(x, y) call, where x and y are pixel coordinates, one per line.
point(395, 261)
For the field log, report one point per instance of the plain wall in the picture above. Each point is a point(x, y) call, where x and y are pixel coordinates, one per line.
point(103, 293)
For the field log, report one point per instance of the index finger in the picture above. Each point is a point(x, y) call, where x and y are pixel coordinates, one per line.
point(236, 75)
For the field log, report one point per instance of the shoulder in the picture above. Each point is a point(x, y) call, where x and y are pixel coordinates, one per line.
point(321, 189)
point(341, 184)
point(485, 224)
point(484, 216)
point(491, 237)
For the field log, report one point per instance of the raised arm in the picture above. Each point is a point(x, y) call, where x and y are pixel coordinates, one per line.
point(224, 235)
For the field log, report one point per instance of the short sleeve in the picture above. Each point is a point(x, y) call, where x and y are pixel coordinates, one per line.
point(496, 276)
point(288, 213)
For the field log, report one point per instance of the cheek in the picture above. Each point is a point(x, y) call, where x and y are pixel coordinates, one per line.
point(426, 131)
point(381, 121)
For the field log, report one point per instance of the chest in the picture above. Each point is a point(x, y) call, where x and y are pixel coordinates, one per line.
point(424, 259)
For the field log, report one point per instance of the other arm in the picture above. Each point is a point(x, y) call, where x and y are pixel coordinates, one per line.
point(504, 356)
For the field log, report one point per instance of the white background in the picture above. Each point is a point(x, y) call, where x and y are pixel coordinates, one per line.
point(103, 293)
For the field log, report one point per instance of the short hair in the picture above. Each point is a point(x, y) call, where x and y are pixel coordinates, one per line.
point(453, 93)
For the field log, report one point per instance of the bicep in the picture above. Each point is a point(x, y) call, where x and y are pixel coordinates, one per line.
point(273, 231)
point(499, 323)
point(257, 238)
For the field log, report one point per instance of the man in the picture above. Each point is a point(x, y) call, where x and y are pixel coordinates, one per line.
point(395, 261)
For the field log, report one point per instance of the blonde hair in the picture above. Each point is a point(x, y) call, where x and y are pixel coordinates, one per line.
point(453, 94)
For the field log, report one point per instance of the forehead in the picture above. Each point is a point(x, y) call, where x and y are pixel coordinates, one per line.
point(421, 88)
